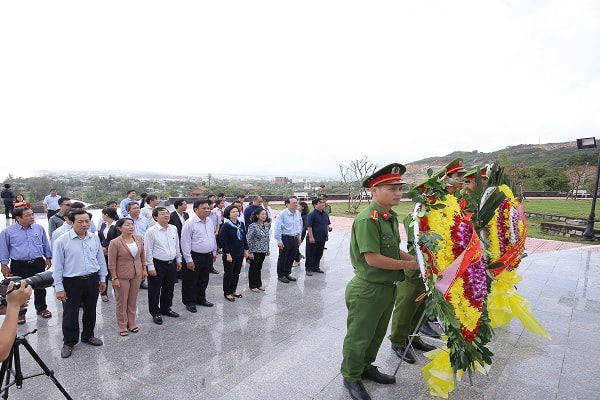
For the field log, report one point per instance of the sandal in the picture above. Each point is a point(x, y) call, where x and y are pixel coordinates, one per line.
point(45, 314)
point(123, 333)
point(229, 297)
point(135, 330)
point(255, 290)
point(239, 296)
point(262, 289)
point(104, 298)
point(21, 320)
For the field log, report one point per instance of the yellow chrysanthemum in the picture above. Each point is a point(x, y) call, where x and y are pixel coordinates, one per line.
point(464, 311)
point(441, 222)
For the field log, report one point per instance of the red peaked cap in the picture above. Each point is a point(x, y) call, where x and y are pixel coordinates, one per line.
point(389, 175)
point(455, 166)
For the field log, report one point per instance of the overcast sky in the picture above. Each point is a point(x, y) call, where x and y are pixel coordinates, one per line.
point(287, 87)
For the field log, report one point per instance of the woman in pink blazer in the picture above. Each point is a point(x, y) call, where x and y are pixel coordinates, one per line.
point(127, 265)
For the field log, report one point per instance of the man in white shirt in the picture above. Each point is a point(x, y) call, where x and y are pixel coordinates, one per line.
point(146, 212)
point(163, 256)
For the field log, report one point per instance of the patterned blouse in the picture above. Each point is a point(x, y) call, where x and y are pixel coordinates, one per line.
point(258, 237)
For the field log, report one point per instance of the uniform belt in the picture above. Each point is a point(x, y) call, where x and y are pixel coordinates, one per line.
point(83, 277)
point(32, 261)
point(292, 236)
point(202, 254)
point(163, 261)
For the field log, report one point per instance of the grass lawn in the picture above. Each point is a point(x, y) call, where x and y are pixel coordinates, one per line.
point(578, 209)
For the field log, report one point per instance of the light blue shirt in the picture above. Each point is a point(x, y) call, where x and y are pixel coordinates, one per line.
point(52, 202)
point(287, 224)
point(19, 243)
point(123, 206)
point(74, 256)
point(140, 225)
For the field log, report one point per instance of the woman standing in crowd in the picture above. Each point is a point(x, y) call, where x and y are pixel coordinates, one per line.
point(107, 232)
point(21, 202)
point(303, 208)
point(232, 239)
point(259, 236)
point(127, 265)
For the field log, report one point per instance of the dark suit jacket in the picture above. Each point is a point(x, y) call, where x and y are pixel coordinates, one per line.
point(174, 220)
point(113, 232)
point(120, 258)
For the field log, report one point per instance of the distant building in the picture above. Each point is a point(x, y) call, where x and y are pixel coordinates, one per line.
point(199, 191)
point(282, 180)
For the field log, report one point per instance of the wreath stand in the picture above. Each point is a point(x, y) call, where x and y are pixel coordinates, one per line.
point(410, 347)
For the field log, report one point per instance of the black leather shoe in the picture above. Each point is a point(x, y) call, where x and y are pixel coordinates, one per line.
point(319, 271)
point(418, 344)
point(373, 374)
point(283, 279)
point(428, 330)
point(157, 319)
point(205, 304)
point(192, 309)
point(291, 278)
point(357, 390)
point(408, 357)
point(171, 313)
point(308, 273)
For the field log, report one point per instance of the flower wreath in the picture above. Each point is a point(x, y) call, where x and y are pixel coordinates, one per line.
point(505, 238)
point(450, 257)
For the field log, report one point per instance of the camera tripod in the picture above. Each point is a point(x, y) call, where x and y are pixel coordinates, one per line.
point(14, 359)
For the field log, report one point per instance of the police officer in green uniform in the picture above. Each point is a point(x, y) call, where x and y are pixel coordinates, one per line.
point(407, 311)
point(378, 263)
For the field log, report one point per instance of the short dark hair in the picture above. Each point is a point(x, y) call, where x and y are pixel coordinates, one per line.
point(121, 221)
point(228, 209)
point(198, 203)
point(316, 201)
point(75, 212)
point(18, 212)
point(6, 185)
point(111, 213)
point(78, 204)
point(178, 203)
point(128, 206)
point(255, 213)
point(151, 197)
point(130, 190)
point(62, 200)
point(110, 202)
point(158, 209)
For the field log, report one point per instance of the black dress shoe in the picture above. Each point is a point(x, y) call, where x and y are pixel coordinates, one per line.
point(319, 271)
point(408, 356)
point(205, 304)
point(283, 279)
point(214, 271)
point(157, 319)
point(192, 309)
point(171, 313)
point(357, 390)
point(373, 374)
point(418, 344)
point(428, 330)
point(291, 278)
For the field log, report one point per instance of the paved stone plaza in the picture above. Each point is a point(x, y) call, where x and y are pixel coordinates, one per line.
point(286, 343)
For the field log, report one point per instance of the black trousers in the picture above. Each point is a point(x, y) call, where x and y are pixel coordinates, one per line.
point(8, 208)
point(287, 255)
point(161, 287)
point(255, 270)
point(194, 283)
point(314, 253)
point(27, 269)
point(50, 213)
point(80, 292)
point(231, 274)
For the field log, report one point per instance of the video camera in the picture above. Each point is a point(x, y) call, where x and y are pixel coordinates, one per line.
point(37, 281)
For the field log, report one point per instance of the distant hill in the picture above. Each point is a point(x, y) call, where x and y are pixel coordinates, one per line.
point(550, 154)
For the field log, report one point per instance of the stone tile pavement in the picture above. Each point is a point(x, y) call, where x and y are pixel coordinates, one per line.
point(286, 343)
